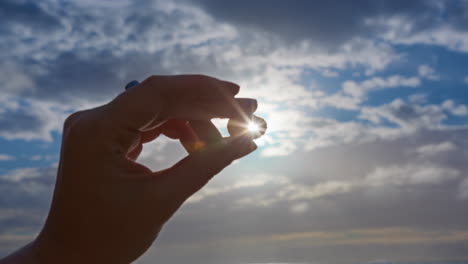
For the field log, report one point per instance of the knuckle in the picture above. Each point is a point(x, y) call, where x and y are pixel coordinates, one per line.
point(81, 123)
point(158, 83)
point(71, 119)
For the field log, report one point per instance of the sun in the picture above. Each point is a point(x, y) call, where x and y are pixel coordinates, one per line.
point(253, 127)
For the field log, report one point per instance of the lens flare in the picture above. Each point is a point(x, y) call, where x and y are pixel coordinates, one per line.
point(253, 127)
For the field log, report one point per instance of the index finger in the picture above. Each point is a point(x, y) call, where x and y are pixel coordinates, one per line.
point(140, 105)
point(195, 87)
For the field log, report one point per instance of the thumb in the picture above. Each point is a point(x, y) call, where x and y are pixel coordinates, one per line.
point(191, 173)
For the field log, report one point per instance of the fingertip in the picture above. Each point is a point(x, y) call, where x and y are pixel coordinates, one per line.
point(254, 105)
point(241, 146)
point(248, 106)
point(234, 87)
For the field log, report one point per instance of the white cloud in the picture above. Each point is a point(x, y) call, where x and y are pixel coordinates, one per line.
point(405, 114)
point(329, 73)
point(410, 174)
point(294, 192)
point(283, 148)
point(353, 94)
point(5, 157)
point(249, 181)
point(328, 132)
point(341, 101)
point(425, 71)
point(442, 36)
point(20, 174)
point(373, 56)
point(42, 157)
point(435, 149)
point(14, 80)
point(299, 208)
point(459, 110)
point(33, 119)
point(361, 89)
point(418, 98)
point(402, 30)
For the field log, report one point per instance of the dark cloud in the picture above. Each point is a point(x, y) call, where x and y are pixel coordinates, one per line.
point(15, 122)
point(327, 23)
point(458, 11)
point(29, 14)
point(92, 56)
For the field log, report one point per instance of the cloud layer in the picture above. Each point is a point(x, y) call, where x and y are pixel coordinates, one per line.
point(365, 154)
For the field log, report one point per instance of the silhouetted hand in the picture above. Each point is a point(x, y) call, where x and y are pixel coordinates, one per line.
point(107, 208)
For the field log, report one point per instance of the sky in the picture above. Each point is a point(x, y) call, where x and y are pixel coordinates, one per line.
point(365, 157)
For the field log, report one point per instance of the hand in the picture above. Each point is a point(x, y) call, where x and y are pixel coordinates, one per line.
point(107, 208)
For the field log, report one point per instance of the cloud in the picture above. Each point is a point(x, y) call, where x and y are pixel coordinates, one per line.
point(6, 157)
point(31, 119)
point(299, 192)
point(329, 73)
point(299, 208)
point(436, 149)
point(405, 114)
point(328, 24)
point(410, 174)
point(426, 28)
point(27, 14)
point(425, 71)
point(21, 174)
point(444, 35)
point(292, 192)
point(361, 89)
point(60, 69)
point(463, 189)
point(282, 148)
point(453, 108)
point(353, 93)
point(373, 165)
point(393, 235)
point(250, 182)
point(15, 80)
point(25, 195)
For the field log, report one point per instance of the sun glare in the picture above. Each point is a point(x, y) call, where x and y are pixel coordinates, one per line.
point(253, 127)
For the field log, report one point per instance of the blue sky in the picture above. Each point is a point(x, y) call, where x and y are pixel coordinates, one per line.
point(366, 103)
